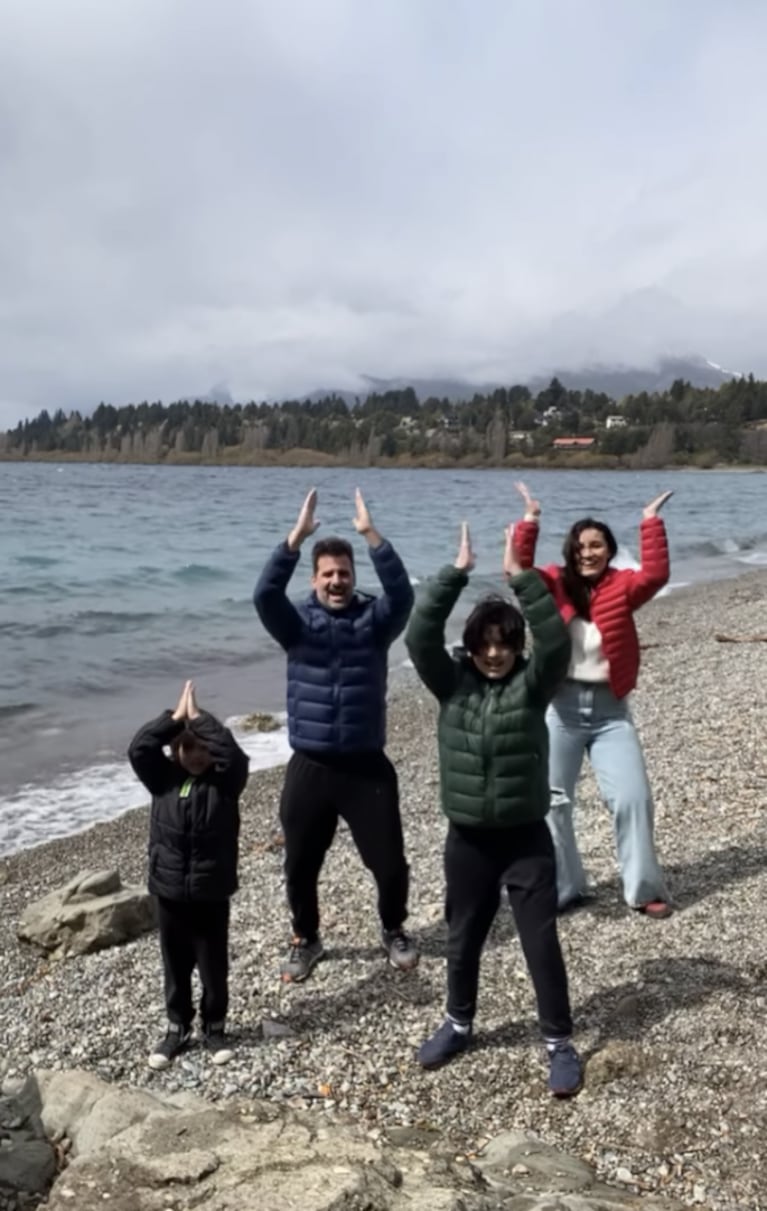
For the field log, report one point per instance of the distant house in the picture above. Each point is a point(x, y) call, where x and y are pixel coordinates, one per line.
point(616, 422)
point(519, 437)
point(573, 443)
point(550, 416)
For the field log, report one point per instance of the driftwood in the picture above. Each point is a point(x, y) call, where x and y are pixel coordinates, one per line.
point(740, 638)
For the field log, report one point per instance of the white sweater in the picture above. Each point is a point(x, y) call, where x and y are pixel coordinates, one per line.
point(587, 660)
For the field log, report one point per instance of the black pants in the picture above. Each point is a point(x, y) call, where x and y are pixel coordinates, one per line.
point(477, 861)
point(195, 934)
point(363, 790)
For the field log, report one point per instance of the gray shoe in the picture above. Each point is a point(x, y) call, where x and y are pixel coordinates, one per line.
point(302, 957)
point(401, 950)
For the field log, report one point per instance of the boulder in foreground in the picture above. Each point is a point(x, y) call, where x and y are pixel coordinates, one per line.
point(138, 1151)
point(91, 912)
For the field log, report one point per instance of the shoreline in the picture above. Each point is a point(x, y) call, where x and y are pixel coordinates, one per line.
point(309, 459)
point(673, 1094)
point(399, 677)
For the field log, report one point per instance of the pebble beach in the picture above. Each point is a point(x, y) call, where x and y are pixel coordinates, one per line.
point(671, 1015)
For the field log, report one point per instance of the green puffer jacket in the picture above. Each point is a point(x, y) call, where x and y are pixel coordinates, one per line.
point(493, 740)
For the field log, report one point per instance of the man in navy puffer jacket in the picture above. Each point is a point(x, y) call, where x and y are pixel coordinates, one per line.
point(337, 642)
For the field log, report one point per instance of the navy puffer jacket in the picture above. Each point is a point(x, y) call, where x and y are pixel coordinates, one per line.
point(337, 659)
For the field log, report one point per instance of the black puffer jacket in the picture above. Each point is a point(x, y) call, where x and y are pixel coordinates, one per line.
point(195, 822)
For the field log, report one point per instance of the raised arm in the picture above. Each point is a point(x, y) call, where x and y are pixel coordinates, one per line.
point(277, 613)
point(230, 763)
point(654, 569)
point(550, 654)
point(425, 637)
point(392, 609)
point(150, 765)
point(526, 531)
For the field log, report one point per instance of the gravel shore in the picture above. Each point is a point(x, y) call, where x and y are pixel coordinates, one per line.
point(671, 1015)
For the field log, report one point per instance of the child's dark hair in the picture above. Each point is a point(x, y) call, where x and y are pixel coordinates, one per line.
point(577, 587)
point(331, 546)
point(494, 611)
point(187, 738)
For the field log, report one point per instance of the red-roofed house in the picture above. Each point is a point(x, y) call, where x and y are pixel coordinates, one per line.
point(573, 443)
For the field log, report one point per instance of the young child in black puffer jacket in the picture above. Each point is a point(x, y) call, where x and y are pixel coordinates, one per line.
point(193, 840)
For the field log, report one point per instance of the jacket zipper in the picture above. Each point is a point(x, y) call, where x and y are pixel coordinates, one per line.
point(488, 709)
point(336, 687)
point(186, 793)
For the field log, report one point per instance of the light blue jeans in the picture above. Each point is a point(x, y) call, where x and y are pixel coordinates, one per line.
point(587, 718)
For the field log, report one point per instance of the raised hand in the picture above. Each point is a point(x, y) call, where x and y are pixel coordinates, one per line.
point(192, 709)
point(511, 564)
point(362, 521)
point(655, 506)
point(465, 559)
point(532, 507)
point(306, 523)
point(182, 706)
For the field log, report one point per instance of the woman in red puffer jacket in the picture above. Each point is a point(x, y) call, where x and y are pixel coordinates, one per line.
point(590, 713)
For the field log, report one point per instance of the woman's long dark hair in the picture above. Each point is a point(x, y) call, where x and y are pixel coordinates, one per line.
point(577, 587)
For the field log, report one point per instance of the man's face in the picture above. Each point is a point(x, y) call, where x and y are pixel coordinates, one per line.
point(333, 582)
point(193, 756)
point(495, 659)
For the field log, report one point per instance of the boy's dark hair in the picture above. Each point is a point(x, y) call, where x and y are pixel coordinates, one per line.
point(187, 738)
point(331, 546)
point(577, 587)
point(494, 611)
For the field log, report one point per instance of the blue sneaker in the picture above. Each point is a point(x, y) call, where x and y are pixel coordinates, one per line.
point(565, 1070)
point(443, 1045)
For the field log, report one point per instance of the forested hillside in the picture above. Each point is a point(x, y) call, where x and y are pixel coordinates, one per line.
point(685, 425)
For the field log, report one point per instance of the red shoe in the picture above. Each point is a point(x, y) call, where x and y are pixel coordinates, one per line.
point(657, 909)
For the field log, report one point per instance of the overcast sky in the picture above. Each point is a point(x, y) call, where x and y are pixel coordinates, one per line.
point(278, 195)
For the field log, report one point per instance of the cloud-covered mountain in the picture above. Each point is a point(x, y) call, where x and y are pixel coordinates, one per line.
point(614, 380)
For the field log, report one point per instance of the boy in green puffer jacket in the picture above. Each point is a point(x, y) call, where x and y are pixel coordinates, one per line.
point(493, 754)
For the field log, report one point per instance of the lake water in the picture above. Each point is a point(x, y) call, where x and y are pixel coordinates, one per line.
point(118, 582)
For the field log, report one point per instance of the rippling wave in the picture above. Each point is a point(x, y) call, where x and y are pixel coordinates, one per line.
point(119, 582)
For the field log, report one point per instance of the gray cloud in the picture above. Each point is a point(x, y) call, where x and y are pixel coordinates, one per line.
point(280, 196)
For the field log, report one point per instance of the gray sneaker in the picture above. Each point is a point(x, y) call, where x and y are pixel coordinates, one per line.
point(401, 950)
point(302, 957)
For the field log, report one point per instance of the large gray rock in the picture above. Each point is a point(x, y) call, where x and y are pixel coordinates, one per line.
point(27, 1159)
point(89, 913)
point(141, 1152)
point(27, 1166)
point(543, 1170)
point(90, 1112)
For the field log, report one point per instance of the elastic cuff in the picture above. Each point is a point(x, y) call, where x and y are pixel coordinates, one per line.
point(463, 1027)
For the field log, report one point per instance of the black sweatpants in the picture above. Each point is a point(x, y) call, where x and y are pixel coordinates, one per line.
point(362, 789)
point(477, 862)
point(195, 934)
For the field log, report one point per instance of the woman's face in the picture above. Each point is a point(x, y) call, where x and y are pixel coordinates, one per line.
point(592, 554)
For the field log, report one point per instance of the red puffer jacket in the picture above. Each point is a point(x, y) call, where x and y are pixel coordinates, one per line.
point(619, 592)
